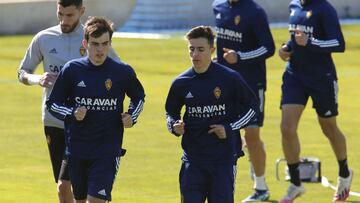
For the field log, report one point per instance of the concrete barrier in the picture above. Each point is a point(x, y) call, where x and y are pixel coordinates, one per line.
point(31, 16)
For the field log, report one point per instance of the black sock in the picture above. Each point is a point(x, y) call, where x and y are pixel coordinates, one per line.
point(294, 174)
point(343, 168)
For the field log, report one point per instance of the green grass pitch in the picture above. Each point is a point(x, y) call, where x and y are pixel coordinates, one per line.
point(149, 171)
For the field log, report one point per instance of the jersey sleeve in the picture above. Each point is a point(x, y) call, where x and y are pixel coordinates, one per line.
point(57, 103)
point(173, 107)
point(334, 41)
point(136, 93)
point(248, 105)
point(265, 40)
point(32, 58)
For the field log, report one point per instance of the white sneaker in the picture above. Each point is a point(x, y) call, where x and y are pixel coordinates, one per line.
point(292, 193)
point(343, 188)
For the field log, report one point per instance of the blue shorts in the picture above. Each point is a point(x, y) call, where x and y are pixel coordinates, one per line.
point(94, 177)
point(323, 92)
point(259, 92)
point(214, 182)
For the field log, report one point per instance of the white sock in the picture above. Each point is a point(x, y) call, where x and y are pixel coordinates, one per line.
point(259, 183)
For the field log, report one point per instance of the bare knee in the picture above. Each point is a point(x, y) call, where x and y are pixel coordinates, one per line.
point(287, 129)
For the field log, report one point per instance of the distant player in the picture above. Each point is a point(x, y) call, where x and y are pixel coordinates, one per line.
point(217, 103)
point(244, 42)
point(54, 47)
point(88, 95)
point(310, 72)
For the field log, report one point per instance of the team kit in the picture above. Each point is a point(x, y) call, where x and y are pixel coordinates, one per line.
point(85, 84)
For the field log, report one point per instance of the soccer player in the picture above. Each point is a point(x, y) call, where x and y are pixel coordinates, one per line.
point(54, 47)
point(217, 103)
point(310, 72)
point(88, 95)
point(244, 42)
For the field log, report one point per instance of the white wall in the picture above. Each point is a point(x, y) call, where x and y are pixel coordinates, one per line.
point(24, 16)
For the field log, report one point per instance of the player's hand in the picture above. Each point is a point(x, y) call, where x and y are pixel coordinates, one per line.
point(230, 56)
point(301, 37)
point(284, 52)
point(126, 120)
point(47, 79)
point(80, 113)
point(218, 130)
point(179, 127)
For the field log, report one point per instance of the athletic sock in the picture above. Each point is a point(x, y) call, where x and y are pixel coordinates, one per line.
point(259, 183)
point(294, 174)
point(343, 168)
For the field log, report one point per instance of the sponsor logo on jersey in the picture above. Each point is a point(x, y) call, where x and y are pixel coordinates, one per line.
point(309, 14)
point(55, 68)
point(108, 84)
point(217, 92)
point(206, 111)
point(81, 84)
point(306, 29)
point(189, 95)
point(97, 104)
point(227, 34)
point(53, 51)
point(82, 51)
point(237, 20)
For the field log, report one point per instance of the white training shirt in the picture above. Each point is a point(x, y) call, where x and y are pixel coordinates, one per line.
point(54, 49)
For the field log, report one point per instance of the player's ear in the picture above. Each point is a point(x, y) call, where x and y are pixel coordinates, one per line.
point(85, 43)
point(212, 49)
point(82, 10)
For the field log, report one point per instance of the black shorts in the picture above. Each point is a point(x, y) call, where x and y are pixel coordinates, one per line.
point(56, 144)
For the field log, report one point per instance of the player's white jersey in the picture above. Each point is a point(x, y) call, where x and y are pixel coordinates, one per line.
point(54, 48)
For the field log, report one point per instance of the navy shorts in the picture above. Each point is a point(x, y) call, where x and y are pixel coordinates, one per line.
point(323, 92)
point(56, 143)
point(214, 182)
point(94, 177)
point(259, 92)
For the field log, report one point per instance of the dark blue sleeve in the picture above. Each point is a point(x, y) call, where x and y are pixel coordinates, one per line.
point(173, 107)
point(334, 41)
point(265, 40)
point(136, 93)
point(57, 104)
point(248, 105)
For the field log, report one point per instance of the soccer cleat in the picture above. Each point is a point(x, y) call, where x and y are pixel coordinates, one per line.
point(258, 196)
point(343, 188)
point(292, 193)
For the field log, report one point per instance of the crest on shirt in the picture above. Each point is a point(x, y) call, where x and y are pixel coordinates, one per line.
point(217, 92)
point(237, 20)
point(82, 51)
point(108, 84)
point(309, 14)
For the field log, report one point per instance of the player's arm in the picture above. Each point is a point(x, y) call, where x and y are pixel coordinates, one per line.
point(248, 106)
point(29, 63)
point(57, 103)
point(136, 93)
point(173, 107)
point(334, 41)
point(266, 46)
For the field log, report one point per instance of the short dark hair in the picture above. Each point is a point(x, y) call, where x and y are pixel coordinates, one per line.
point(201, 32)
point(96, 26)
point(66, 3)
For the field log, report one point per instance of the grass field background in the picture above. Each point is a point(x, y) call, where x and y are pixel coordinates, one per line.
point(149, 171)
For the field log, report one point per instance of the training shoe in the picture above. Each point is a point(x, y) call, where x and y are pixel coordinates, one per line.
point(292, 193)
point(343, 188)
point(258, 196)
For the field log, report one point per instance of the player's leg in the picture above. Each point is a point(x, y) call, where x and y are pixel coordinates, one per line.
point(56, 144)
point(257, 152)
point(222, 183)
point(294, 99)
point(194, 183)
point(325, 103)
point(101, 177)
